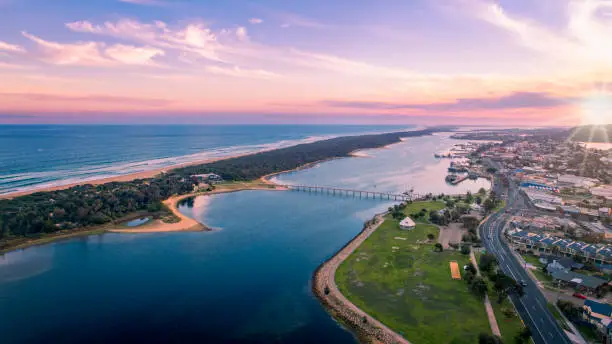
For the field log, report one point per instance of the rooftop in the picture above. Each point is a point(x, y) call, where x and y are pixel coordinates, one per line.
point(580, 279)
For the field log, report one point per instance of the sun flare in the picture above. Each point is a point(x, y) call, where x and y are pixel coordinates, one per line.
point(596, 108)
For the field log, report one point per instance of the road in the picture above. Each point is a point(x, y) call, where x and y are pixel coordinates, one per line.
point(532, 307)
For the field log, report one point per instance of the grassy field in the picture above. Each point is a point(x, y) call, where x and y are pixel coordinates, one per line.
point(407, 286)
point(416, 207)
point(509, 321)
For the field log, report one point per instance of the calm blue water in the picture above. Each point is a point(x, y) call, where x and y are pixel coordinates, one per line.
point(138, 222)
point(246, 282)
point(34, 156)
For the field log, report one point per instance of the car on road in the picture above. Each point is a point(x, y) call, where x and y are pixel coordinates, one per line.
point(580, 296)
point(523, 283)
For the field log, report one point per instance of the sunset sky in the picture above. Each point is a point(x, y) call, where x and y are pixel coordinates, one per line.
point(518, 62)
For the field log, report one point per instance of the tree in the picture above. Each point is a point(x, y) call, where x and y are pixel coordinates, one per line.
point(485, 338)
point(479, 286)
point(487, 262)
point(470, 222)
point(489, 205)
point(482, 191)
point(430, 236)
point(469, 198)
point(491, 170)
point(438, 247)
point(434, 217)
point(478, 200)
point(462, 209)
point(465, 249)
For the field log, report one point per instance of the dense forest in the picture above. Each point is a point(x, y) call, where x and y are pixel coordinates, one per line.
point(89, 205)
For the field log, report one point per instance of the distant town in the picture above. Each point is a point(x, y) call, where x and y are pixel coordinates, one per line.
point(558, 224)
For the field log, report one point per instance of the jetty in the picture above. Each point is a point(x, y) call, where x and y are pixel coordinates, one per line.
point(353, 192)
point(459, 179)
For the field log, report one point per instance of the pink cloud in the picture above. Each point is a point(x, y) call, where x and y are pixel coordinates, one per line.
point(133, 55)
point(4, 46)
point(242, 73)
point(93, 53)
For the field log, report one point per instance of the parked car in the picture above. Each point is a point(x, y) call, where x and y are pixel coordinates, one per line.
point(523, 283)
point(580, 296)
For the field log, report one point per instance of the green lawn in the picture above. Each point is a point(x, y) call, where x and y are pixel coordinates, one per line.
point(408, 287)
point(509, 321)
point(416, 207)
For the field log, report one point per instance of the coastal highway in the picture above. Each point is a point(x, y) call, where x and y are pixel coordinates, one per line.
point(532, 307)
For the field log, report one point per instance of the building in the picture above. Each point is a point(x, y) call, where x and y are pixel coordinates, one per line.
point(605, 212)
point(540, 244)
point(407, 224)
point(210, 178)
point(599, 315)
point(580, 282)
point(576, 181)
point(554, 263)
point(604, 191)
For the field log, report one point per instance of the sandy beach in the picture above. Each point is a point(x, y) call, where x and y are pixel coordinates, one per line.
point(122, 178)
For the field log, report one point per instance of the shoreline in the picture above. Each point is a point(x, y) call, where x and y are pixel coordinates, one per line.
point(365, 327)
point(185, 224)
point(157, 171)
point(122, 178)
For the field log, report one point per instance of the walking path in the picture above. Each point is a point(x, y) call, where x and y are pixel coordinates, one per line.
point(487, 303)
point(325, 288)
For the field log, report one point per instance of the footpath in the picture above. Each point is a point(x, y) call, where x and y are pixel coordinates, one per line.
point(487, 303)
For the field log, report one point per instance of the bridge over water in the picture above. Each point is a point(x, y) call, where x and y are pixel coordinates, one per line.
point(329, 190)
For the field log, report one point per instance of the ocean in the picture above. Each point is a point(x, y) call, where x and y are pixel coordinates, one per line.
point(248, 281)
point(35, 156)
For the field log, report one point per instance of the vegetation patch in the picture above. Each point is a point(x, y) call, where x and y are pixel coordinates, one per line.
point(406, 284)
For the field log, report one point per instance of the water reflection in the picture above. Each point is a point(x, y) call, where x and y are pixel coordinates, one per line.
point(22, 264)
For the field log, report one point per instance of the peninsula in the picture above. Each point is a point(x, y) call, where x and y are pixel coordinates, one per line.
point(80, 208)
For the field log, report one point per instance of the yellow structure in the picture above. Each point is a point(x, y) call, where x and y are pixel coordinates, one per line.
point(455, 273)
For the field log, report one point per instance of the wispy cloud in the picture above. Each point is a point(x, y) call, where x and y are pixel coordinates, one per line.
point(92, 53)
point(4, 46)
point(288, 19)
point(585, 38)
point(193, 38)
point(517, 100)
point(133, 55)
point(242, 73)
point(255, 21)
point(94, 98)
point(7, 65)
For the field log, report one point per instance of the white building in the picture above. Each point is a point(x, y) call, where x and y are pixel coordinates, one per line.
point(407, 224)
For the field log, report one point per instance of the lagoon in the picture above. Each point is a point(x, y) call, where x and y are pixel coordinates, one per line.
point(248, 281)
